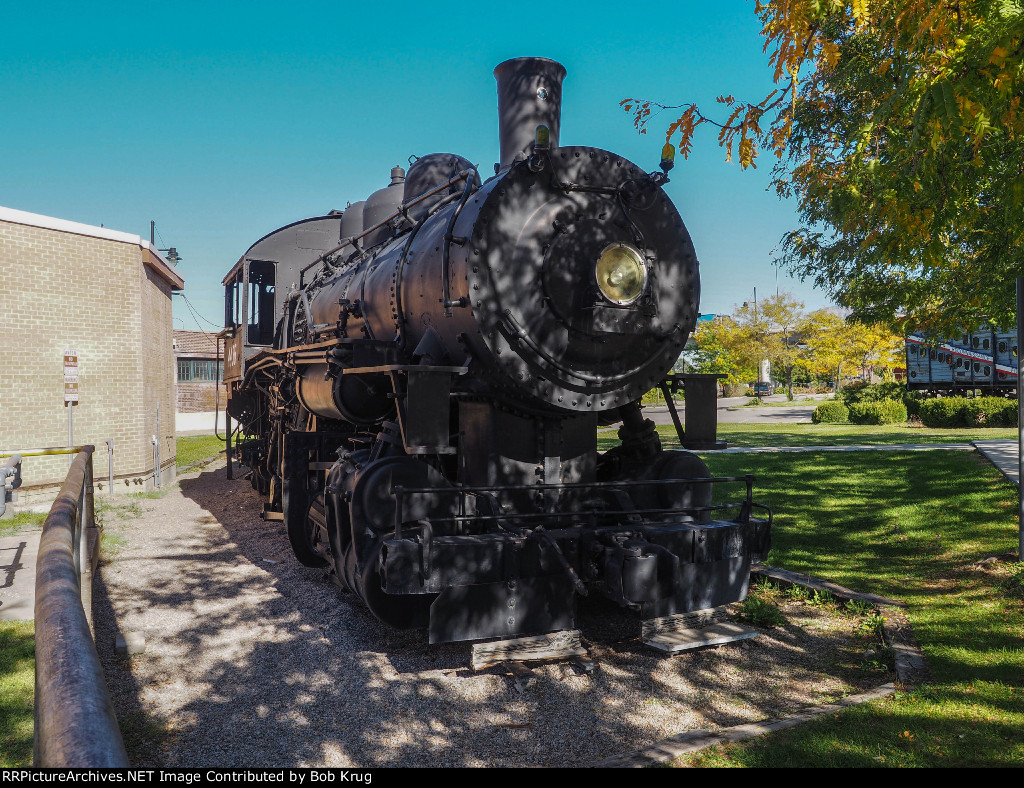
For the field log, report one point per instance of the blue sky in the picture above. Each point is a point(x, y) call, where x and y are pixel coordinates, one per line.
point(224, 121)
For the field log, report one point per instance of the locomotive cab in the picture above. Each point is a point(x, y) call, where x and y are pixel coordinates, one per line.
point(257, 287)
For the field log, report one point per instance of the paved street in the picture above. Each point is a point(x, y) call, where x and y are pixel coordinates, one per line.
point(731, 410)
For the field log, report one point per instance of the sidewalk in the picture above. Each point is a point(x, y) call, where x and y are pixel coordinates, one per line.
point(1002, 454)
point(18, 555)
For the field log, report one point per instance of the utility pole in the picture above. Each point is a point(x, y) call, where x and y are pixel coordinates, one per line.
point(1020, 423)
point(757, 393)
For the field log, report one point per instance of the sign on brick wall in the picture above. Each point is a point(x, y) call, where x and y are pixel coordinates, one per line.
point(70, 375)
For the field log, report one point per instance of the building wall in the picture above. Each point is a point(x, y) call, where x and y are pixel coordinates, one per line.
point(62, 290)
point(156, 325)
point(198, 397)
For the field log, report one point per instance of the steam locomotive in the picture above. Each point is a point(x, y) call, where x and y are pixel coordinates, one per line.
point(418, 382)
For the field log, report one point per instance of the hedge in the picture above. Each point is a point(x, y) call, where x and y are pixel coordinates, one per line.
point(884, 412)
point(990, 412)
point(860, 391)
point(969, 412)
point(831, 412)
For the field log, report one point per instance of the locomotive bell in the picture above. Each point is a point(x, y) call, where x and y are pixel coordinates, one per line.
point(529, 95)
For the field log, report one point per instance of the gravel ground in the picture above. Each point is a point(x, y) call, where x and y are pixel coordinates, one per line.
point(254, 660)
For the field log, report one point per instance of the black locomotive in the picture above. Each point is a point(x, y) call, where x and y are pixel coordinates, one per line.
point(419, 381)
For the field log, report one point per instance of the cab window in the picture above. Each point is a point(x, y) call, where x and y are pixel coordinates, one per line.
point(260, 328)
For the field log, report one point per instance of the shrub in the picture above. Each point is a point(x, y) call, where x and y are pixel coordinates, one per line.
point(973, 412)
point(943, 411)
point(859, 391)
point(884, 412)
point(851, 392)
point(912, 402)
point(761, 613)
point(831, 412)
point(989, 412)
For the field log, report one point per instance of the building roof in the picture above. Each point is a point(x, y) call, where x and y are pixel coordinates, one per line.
point(195, 344)
point(151, 256)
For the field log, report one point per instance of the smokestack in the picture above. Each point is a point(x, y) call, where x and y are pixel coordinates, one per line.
point(529, 94)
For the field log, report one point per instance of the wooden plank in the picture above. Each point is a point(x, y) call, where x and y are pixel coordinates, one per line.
point(671, 748)
point(522, 676)
point(678, 621)
point(554, 645)
point(718, 634)
point(269, 515)
point(785, 577)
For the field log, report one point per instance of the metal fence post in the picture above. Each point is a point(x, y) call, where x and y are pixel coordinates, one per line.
point(110, 465)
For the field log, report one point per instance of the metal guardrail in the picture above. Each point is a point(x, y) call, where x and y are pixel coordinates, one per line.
point(46, 452)
point(75, 724)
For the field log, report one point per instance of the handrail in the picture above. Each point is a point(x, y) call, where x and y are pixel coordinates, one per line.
point(46, 452)
point(75, 724)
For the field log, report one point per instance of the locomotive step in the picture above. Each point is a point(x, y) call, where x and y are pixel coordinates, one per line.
point(554, 645)
point(674, 641)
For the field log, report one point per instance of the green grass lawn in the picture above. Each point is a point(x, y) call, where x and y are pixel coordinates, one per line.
point(844, 434)
point(13, 524)
point(196, 448)
point(17, 680)
point(752, 435)
point(909, 525)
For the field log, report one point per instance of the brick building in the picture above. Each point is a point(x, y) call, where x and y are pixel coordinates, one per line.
point(107, 294)
point(197, 371)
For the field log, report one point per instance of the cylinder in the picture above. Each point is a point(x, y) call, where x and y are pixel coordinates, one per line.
point(529, 94)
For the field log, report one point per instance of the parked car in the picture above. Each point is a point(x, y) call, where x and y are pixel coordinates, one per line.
point(762, 389)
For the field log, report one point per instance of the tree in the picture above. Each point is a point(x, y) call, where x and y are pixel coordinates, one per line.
point(783, 315)
point(877, 348)
point(831, 344)
point(898, 127)
point(720, 349)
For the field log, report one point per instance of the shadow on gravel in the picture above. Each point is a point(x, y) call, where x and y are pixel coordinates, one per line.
point(258, 661)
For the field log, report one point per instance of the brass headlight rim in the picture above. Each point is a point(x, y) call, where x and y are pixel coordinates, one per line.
point(641, 263)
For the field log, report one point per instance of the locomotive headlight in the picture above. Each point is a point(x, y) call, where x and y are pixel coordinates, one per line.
point(621, 274)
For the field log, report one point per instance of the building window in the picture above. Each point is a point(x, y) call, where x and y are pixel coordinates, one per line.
point(198, 370)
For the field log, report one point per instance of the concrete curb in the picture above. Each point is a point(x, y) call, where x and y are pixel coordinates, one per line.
point(911, 669)
point(693, 741)
point(855, 447)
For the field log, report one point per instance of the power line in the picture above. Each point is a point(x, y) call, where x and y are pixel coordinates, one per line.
point(196, 315)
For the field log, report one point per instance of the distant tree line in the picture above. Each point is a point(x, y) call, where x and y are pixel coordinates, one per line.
point(818, 346)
